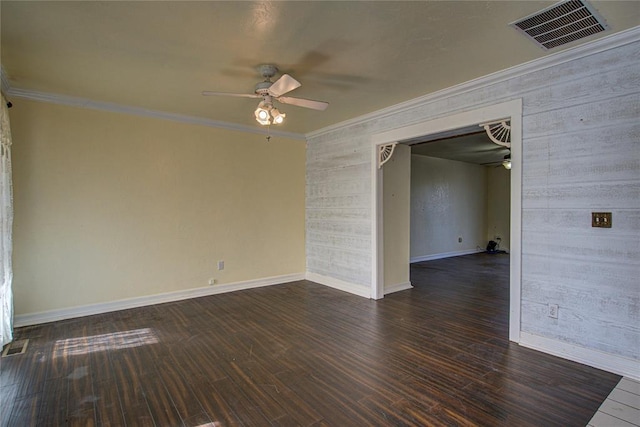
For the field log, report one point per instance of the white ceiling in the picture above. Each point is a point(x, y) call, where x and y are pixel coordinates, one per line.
point(360, 56)
point(475, 147)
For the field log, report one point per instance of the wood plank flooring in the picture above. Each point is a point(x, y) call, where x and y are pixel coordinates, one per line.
point(621, 408)
point(301, 354)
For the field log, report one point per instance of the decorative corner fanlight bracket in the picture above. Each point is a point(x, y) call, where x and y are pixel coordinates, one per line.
point(385, 152)
point(499, 132)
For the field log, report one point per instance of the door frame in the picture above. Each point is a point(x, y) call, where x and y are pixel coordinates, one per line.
point(511, 110)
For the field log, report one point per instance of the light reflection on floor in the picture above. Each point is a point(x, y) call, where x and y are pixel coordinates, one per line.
point(113, 341)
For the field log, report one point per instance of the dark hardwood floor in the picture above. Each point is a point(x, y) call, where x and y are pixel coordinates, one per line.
point(301, 354)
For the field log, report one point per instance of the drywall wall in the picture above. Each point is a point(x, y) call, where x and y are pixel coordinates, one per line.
point(498, 206)
point(111, 206)
point(580, 154)
point(448, 204)
point(396, 178)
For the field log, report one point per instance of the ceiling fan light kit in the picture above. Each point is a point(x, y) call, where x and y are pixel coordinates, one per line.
point(266, 114)
point(278, 117)
point(262, 114)
point(506, 163)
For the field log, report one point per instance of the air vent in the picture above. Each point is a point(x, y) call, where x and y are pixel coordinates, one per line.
point(16, 347)
point(562, 23)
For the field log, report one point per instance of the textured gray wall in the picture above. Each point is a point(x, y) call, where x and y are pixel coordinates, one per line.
point(581, 153)
point(448, 200)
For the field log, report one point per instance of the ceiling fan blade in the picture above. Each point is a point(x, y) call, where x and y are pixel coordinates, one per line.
point(306, 103)
point(284, 84)
point(238, 95)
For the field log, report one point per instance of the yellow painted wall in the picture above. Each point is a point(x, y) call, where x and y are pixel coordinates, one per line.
point(111, 206)
point(396, 211)
point(499, 205)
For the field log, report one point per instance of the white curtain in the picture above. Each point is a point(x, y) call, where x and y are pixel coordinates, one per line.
point(6, 223)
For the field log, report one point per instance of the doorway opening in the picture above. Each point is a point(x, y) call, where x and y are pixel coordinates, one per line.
point(437, 129)
point(460, 195)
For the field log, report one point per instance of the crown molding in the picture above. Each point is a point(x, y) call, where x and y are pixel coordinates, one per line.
point(600, 45)
point(605, 43)
point(124, 109)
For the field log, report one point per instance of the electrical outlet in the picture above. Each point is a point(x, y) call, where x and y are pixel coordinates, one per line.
point(601, 219)
point(553, 311)
point(220, 265)
point(460, 239)
point(212, 281)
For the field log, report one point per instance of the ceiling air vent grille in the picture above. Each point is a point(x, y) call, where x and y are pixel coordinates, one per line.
point(562, 23)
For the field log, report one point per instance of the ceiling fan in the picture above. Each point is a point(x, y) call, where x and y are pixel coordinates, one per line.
point(505, 162)
point(269, 91)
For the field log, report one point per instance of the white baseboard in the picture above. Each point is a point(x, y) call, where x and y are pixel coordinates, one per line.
point(397, 287)
point(598, 359)
point(352, 288)
point(444, 255)
point(91, 309)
